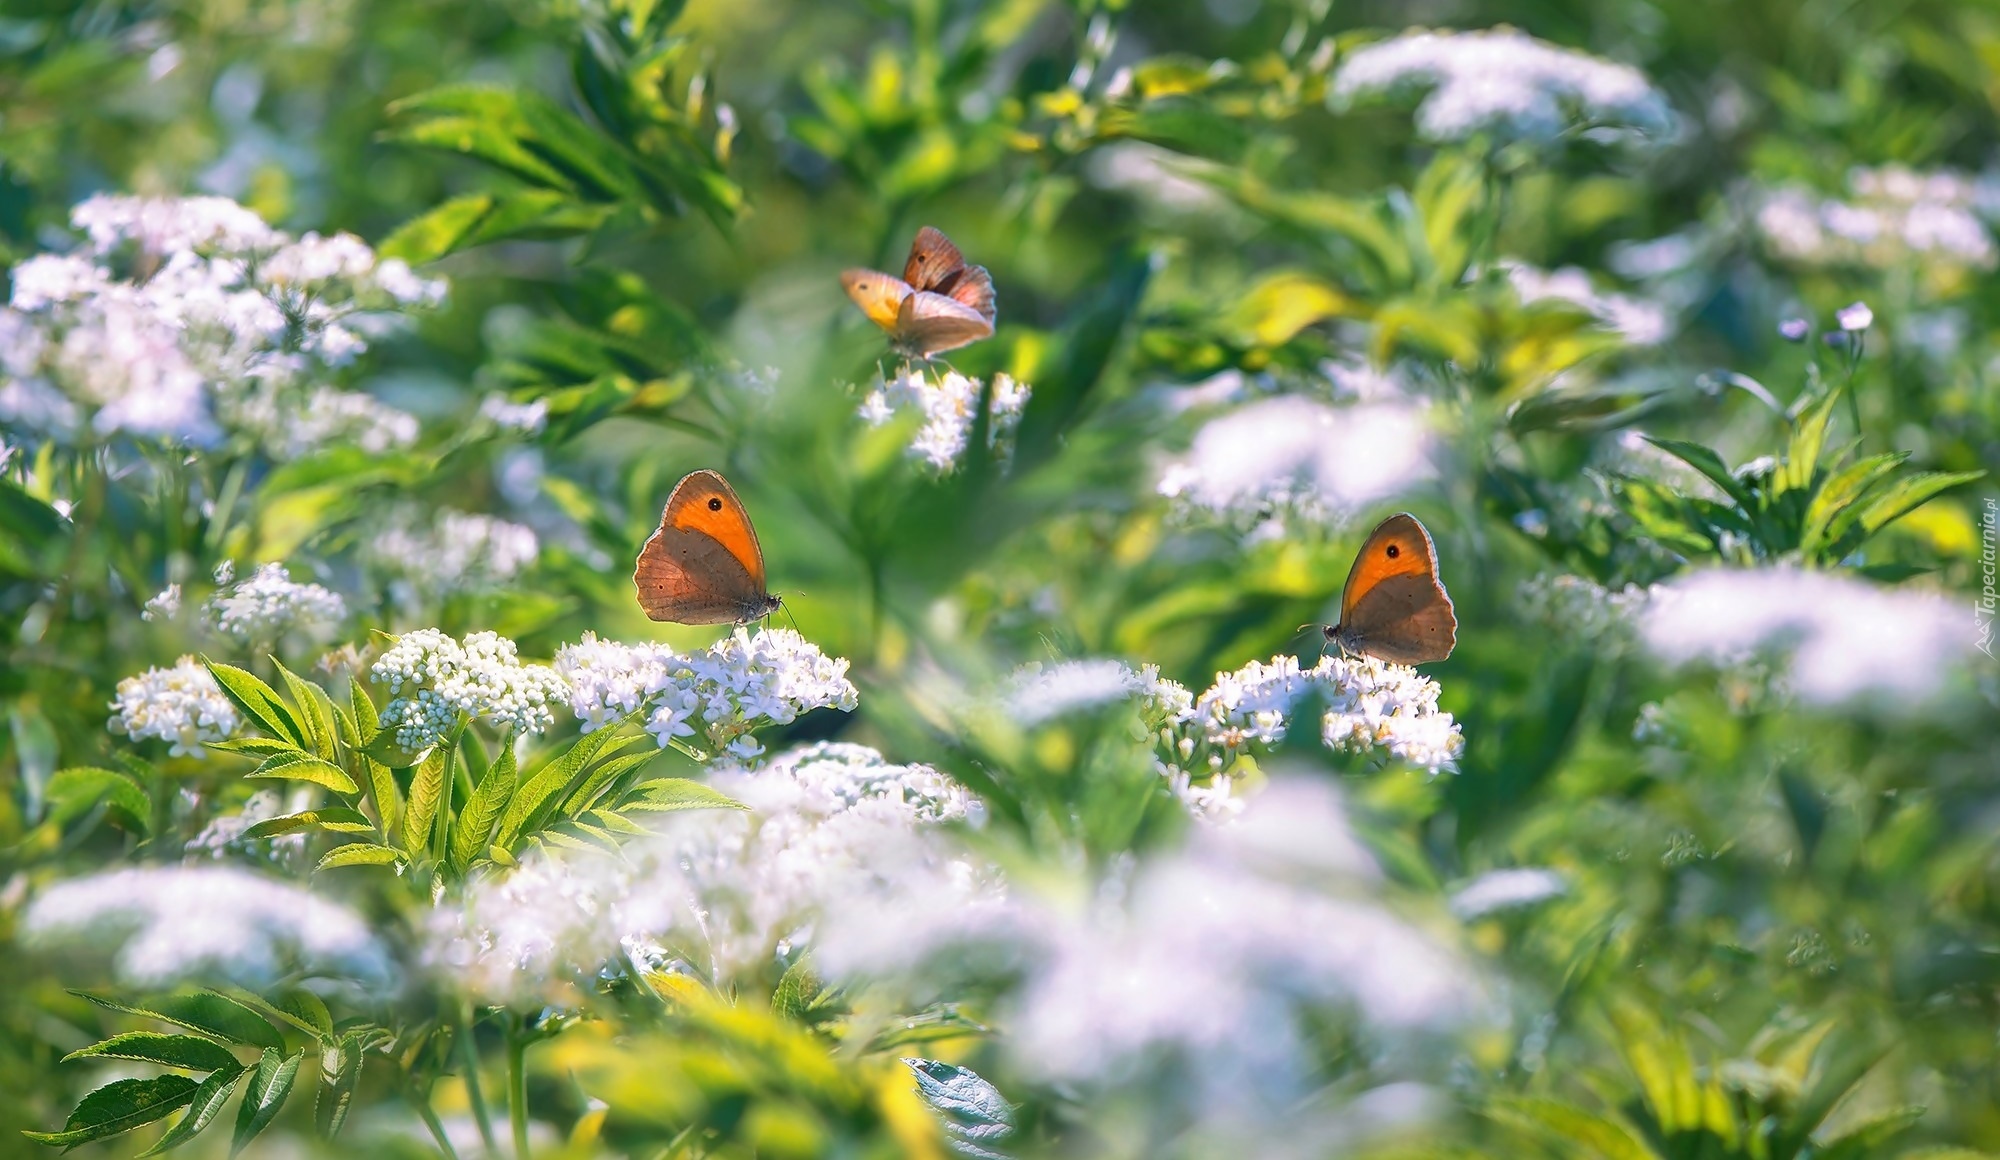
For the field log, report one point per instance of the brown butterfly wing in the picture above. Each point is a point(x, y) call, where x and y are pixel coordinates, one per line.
point(936, 265)
point(703, 565)
point(1393, 606)
point(928, 324)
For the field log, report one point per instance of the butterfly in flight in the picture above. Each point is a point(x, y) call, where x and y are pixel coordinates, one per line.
point(703, 565)
point(1393, 606)
point(939, 303)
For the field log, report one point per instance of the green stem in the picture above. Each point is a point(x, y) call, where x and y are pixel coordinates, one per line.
point(441, 825)
point(469, 1051)
point(225, 505)
point(430, 1119)
point(517, 1089)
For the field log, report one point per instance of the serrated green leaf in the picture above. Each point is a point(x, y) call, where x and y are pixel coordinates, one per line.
point(206, 1104)
point(74, 792)
point(678, 793)
point(334, 819)
point(306, 1011)
point(603, 775)
point(339, 1075)
point(269, 1084)
point(426, 793)
point(975, 1114)
point(259, 702)
point(367, 722)
point(186, 1052)
point(256, 746)
point(1600, 1136)
point(474, 824)
point(1834, 497)
point(208, 1012)
point(544, 787)
point(311, 710)
point(1711, 466)
point(120, 1106)
point(1906, 495)
point(298, 766)
point(358, 854)
point(1802, 456)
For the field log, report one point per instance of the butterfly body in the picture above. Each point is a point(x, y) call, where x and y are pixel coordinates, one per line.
point(703, 565)
point(940, 303)
point(1393, 606)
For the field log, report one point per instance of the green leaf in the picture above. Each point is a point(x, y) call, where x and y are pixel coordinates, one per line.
point(679, 793)
point(269, 1084)
point(1909, 494)
point(384, 794)
point(975, 1114)
point(315, 709)
point(339, 1075)
point(1808, 437)
point(1835, 496)
point(299, 766)
point(476, 219)
point(259, 702)
point(209, 1012)
point(307, 1012)
point(358, 854)
point(206, 1104)
point(474, 823)
point(73, 792)
point(186, 1052)
point(120, 1106)
point(426, 793)
point(1710, 465)
point(367, 722)
point(334, 819)
point(1598, 1135)
point(553, 778)
point(600, 777)
point(256, 746)
point(802, 997)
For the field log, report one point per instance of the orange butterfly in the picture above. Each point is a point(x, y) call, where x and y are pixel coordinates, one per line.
point(703, 566)
point(1394, 606)
point(939, 303)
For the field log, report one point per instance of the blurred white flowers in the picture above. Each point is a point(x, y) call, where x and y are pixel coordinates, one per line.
point(211, 923)
point(189, 320)
point(269, 604)
point(1293, 456)
point(719, 695)
point(1503, 82)
point(438, 681)
point(1040, 693)
point(1845, 640)
point(716, 891)
point(1892, 217)
point(1511, 889)
point(522, 418)
point(182, 706)
point(948, 405)
point(424, 556)
point(1638, 322)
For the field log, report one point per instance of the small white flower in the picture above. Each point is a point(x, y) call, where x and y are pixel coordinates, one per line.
point(269, 604)
point(1504, 82)
point(168, 924)
point(1855, 316)
point(436, 682)
point(165, 605)
point(428, 555)
point(1498, 890)
point(948, 406)
point(526, 418)
point(182, 706)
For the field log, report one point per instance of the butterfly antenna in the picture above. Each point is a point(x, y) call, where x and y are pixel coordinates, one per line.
point(788, 616)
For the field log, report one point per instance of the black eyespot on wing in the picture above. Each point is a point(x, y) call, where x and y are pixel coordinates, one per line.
point(1394, 551)
point(715, 503)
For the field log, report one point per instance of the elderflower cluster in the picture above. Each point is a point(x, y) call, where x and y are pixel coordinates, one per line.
point(182, 706)
point(436, 682)
point(715, 891)
point(1502, 82)
point(1293, 458)
point(269, 604)
point(192, 321)
point(948, 406)
point(719, 696)
point(1580, 609)
point(1892, 217)
point(424, 556)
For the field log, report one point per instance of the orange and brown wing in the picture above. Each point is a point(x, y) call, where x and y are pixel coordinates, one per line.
point(704, 502)
point(878, 295)
point(932, 260)
point(929, 324)
point(703, 565)
point(1394, 607)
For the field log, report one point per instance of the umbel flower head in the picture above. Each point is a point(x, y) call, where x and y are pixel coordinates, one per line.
point(182, 706)
point(438, 682)
point(948, 405)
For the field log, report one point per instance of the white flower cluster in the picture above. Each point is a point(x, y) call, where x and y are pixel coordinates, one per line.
point(523, 418)
point(948, 405)
point(1251, 926)
point(720, 695)
point(190, 320)
point(163, 605)
point(182, 706)
point(1579, 610)
point(1840, 640)
point(716, 891)
point(163, 925)
point(425, 556)
point(1290, 457)
point(1502, 890)
point(269, 604)
point(1638, 322)
point(1892, 218)
point(436, 682)
point(1503, 82)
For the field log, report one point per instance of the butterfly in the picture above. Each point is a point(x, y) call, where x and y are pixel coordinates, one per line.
point(1394, 606)
point(703, 566)
point(939, 303)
